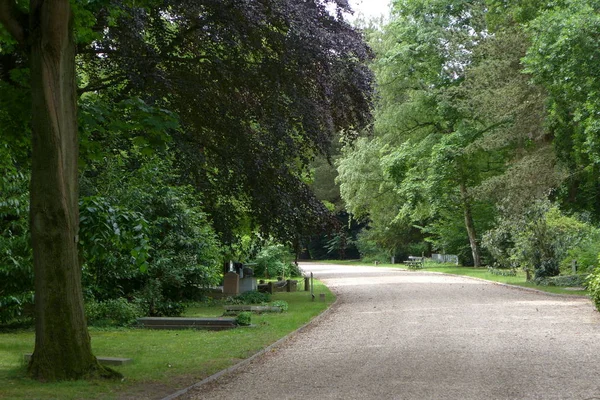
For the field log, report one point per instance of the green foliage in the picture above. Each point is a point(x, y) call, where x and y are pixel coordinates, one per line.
point(585, 251)
point(113, 312)
point(16, 259)
point(246, 246)
point(593, 286)
point(502, 271)
point(420, 169)
point(281, 304)
point(153, 302)
point(103, 122)
point(115, 246)
point(244, 318)
point(250, 297)
point(262, 108)
point(561, 58)
point(275, 260)
point(579, 280)
point(143, 230)
point(538, 240)
point(369, 249)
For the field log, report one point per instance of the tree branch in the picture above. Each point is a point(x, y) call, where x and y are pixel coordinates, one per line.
point(102, 84)
point(13, 20)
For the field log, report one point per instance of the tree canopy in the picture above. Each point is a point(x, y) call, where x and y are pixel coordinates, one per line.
point(484, 110)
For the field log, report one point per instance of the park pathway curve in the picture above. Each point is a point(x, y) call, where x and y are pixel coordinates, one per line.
point(396, 334)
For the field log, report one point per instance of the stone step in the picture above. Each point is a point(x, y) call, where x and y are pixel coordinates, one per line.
point(101, 360)
point(217, 323)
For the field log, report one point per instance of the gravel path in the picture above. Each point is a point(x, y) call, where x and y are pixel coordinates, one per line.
point(397, 334)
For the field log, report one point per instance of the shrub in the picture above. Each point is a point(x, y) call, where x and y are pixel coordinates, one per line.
point(251, 297)
point(153, 303)
point(244, 318)
point(538, 240)
point(593, 286)
point(275, 260)
point(139, 226)
point(502, 271)
point(16, 258)
point(115, 246)
point(579, 280)
point(114, 312)
point(585, 253)
point(281, 304)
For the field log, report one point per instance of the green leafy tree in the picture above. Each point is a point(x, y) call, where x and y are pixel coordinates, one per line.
point(16, 263)
point(421, 150)
point(563, 59)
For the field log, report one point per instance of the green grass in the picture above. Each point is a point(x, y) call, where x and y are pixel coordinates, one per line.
point(481, 273)
point(162, 360)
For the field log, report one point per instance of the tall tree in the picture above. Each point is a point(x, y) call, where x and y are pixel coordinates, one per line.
point(62, 345)
point(422, 55)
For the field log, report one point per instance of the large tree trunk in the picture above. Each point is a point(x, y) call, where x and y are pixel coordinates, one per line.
point(62, 343)
point(470, 225)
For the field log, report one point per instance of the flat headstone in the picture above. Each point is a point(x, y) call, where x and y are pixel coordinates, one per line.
point(252, 308)
point(216, 323)
point(101, 360)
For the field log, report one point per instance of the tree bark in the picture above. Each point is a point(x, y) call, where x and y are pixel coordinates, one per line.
point(62, 343)
point(469, 224)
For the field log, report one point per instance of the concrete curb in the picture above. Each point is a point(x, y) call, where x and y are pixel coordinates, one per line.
point(248, 360)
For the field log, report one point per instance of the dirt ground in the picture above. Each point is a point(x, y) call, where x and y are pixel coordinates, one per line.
point(397, 334)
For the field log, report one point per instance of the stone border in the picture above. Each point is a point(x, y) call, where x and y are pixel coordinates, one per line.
point(248, 360)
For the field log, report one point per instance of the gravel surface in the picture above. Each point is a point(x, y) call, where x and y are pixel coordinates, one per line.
point(397, 334)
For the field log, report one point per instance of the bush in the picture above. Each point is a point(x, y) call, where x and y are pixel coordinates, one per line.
point(153, 303)
point(502, 271)
point(251, 297)
point(140, 228)
point(114, 312)
point(585, 253)
point(538, 240)
point(579, 280)
point(16, 258)
point(244, 318)
point(281, 304)
point(593, 286)
point(275, 260)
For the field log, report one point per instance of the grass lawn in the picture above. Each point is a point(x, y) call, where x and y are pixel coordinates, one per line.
point(481, 273)
point(163, 361)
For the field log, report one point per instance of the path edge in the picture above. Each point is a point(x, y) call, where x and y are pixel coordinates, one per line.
point(261, 352)
point(517, 287)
